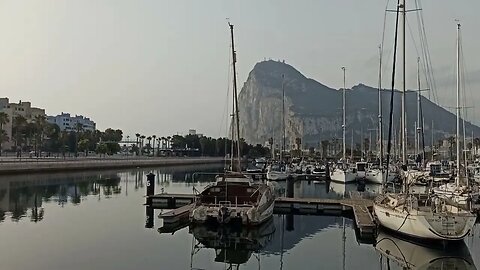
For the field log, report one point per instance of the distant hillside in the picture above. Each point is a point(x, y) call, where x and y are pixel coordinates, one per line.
point(314, 111)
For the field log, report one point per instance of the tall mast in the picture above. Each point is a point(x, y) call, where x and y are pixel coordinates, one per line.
point(433, 140)
point(283, 118)
point(380, 113)
point(418, 128)
point(457, 139)
point(404, 86)
point(344, 121)
point(235, 98)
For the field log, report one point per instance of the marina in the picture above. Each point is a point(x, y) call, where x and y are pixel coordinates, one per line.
point(350, 158)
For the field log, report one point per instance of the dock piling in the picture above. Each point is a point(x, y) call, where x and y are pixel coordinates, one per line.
point(149, 219)
point(290, 182)
point(150, 187)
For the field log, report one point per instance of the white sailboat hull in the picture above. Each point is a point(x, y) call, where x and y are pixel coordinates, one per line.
point(458, 195)
point(342, 176)
point(426, 225)
point(376, 176)
point(276, 175)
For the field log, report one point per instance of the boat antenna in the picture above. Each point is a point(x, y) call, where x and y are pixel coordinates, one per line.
point(235, 98)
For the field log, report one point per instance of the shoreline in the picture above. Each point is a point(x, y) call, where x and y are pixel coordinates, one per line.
point(42, 165)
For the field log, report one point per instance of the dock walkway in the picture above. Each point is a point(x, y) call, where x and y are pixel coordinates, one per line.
point(182, 204)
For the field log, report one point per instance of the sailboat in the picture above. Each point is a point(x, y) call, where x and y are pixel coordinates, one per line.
point(459, 191)
point(234, 197)
point(276, 172)
point(342, 172)
point(420, 216)
point(377, 175)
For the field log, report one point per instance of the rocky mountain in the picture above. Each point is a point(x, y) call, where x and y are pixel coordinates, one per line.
point(313, 111)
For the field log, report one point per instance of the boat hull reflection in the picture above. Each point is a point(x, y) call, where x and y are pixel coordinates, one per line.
point(233, 244)
point(412, 255)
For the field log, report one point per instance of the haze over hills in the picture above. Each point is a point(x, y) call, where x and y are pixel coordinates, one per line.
point(313, 111)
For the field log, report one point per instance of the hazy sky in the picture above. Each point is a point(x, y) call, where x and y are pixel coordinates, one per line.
point(161, 67)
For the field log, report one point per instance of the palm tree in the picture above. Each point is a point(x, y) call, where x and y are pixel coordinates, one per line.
point(141, 144)
point(169, 141)
point(158, 144)
point(3, 136)
point(18, 128)
point(138, 137)
point(163, 142)
point(79, 128)
point(149, 144)
point(40, 125)
point(153, 147)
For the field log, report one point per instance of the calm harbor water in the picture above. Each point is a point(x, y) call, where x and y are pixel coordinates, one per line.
point(96, 220)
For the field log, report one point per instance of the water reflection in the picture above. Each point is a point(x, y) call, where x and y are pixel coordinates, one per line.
point(330, 189)
point(233, 245)
point(23, 196)
point(107, 208)
point(409, 255)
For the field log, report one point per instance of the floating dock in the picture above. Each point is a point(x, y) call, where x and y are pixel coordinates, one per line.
point(360, 207)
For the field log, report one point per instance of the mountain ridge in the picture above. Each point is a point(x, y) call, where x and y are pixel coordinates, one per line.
point(313, 111)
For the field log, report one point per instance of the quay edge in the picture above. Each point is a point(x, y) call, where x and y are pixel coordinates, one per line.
point(43, 166)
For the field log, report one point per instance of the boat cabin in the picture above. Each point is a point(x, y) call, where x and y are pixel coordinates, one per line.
point(231, 194)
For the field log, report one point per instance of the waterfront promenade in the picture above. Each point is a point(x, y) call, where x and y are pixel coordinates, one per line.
point(32, 165)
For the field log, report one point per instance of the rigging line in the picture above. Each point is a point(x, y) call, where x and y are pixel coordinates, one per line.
point(382, 51)
point(389, 144)
point(226, 107)
point(422, 128)
point(384, 25)
point(432, 83)
point(230, 63)
point(464, 80)
point(413, 38)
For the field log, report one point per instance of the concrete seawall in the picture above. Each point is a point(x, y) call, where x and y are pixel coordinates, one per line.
point(42, 165)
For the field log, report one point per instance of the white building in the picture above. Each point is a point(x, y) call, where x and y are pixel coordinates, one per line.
point(70, 123)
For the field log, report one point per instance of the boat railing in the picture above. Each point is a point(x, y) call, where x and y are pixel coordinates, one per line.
point(232, 201)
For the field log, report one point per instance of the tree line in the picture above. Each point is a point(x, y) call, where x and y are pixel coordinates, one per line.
point(38, 135)
point(192, 145)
